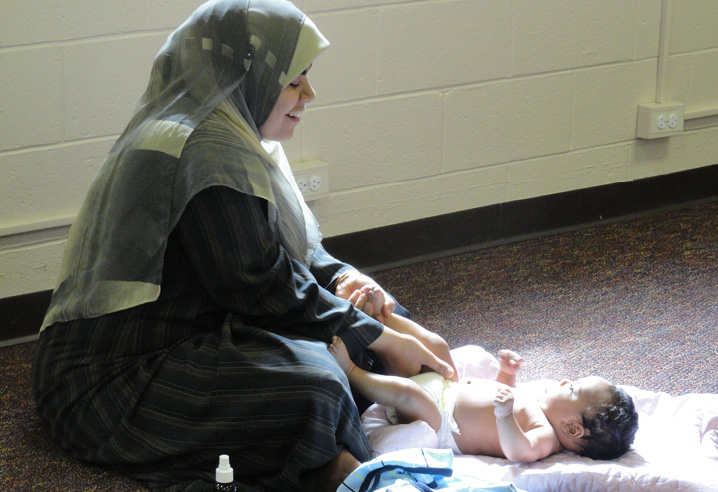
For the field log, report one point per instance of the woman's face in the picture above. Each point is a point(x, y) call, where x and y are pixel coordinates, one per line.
point(288, 109)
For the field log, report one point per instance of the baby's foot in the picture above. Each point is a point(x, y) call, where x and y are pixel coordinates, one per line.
point(339, 352)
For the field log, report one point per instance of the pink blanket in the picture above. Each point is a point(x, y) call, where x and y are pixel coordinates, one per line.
point(676, 447)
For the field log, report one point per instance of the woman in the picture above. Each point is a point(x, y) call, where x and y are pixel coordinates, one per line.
point(195, 301)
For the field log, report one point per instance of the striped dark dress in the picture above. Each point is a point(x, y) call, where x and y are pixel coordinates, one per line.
point(231, 359)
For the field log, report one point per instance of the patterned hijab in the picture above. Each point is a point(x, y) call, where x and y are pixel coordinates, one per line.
point(223, 68)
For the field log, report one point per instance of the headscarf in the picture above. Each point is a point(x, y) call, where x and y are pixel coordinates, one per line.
point(224, 67)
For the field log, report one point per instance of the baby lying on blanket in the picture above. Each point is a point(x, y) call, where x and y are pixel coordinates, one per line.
point(590, 416)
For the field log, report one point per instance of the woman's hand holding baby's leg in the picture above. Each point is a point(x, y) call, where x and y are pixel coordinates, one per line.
point(365, 294)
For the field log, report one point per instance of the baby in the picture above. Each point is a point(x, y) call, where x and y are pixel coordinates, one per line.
point(590, 416)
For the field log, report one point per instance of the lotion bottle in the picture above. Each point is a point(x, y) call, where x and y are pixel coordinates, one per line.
point(224, 476)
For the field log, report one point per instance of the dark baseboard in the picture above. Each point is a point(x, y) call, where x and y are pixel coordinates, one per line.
point(468, 230)
point(21, 316)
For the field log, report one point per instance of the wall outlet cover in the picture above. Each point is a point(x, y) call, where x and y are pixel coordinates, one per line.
point(659, 120)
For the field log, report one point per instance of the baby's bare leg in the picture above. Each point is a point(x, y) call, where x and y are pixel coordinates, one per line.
point(411, 402)
point(376, 387)
point(430, 340)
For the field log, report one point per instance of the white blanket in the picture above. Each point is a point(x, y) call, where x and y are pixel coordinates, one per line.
point(676, 446)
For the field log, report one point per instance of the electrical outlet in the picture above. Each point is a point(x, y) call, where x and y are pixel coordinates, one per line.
point(312, 178)
point(660, 120)
point(302, 185)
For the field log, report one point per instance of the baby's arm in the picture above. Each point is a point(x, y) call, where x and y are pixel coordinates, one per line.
point(510, 363)
point(517, 445)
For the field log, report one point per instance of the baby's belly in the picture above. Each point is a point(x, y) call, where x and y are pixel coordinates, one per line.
point(474, 414)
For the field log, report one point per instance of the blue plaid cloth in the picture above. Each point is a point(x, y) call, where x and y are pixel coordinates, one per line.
point(416, 469)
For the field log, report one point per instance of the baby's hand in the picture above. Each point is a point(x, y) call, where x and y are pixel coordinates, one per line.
point(510, 362)
point(503, 403)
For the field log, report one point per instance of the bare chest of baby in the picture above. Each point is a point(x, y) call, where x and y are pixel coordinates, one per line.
point(474, 414)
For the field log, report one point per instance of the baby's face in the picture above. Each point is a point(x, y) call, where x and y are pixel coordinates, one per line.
point(575, 397)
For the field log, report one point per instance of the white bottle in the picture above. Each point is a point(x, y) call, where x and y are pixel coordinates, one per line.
point(224, 476)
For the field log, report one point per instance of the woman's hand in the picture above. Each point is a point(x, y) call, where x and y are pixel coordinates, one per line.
point(403, 355)
point(365, 294)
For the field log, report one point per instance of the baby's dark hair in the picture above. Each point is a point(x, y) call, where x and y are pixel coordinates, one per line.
point(611, 427)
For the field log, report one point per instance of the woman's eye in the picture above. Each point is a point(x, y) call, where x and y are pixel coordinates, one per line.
point(294, 85)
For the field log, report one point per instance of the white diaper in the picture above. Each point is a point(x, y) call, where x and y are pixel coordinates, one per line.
point(442, 391)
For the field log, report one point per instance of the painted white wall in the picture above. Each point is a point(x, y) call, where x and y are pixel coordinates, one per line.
point(424, 107)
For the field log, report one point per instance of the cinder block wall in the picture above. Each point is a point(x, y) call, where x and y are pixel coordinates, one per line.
point(424, 107)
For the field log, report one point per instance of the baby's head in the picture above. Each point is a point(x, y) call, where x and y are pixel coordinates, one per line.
point(611, 427)
point(592, 417)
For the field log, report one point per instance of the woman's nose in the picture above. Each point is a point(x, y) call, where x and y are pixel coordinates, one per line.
point(308, 94)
